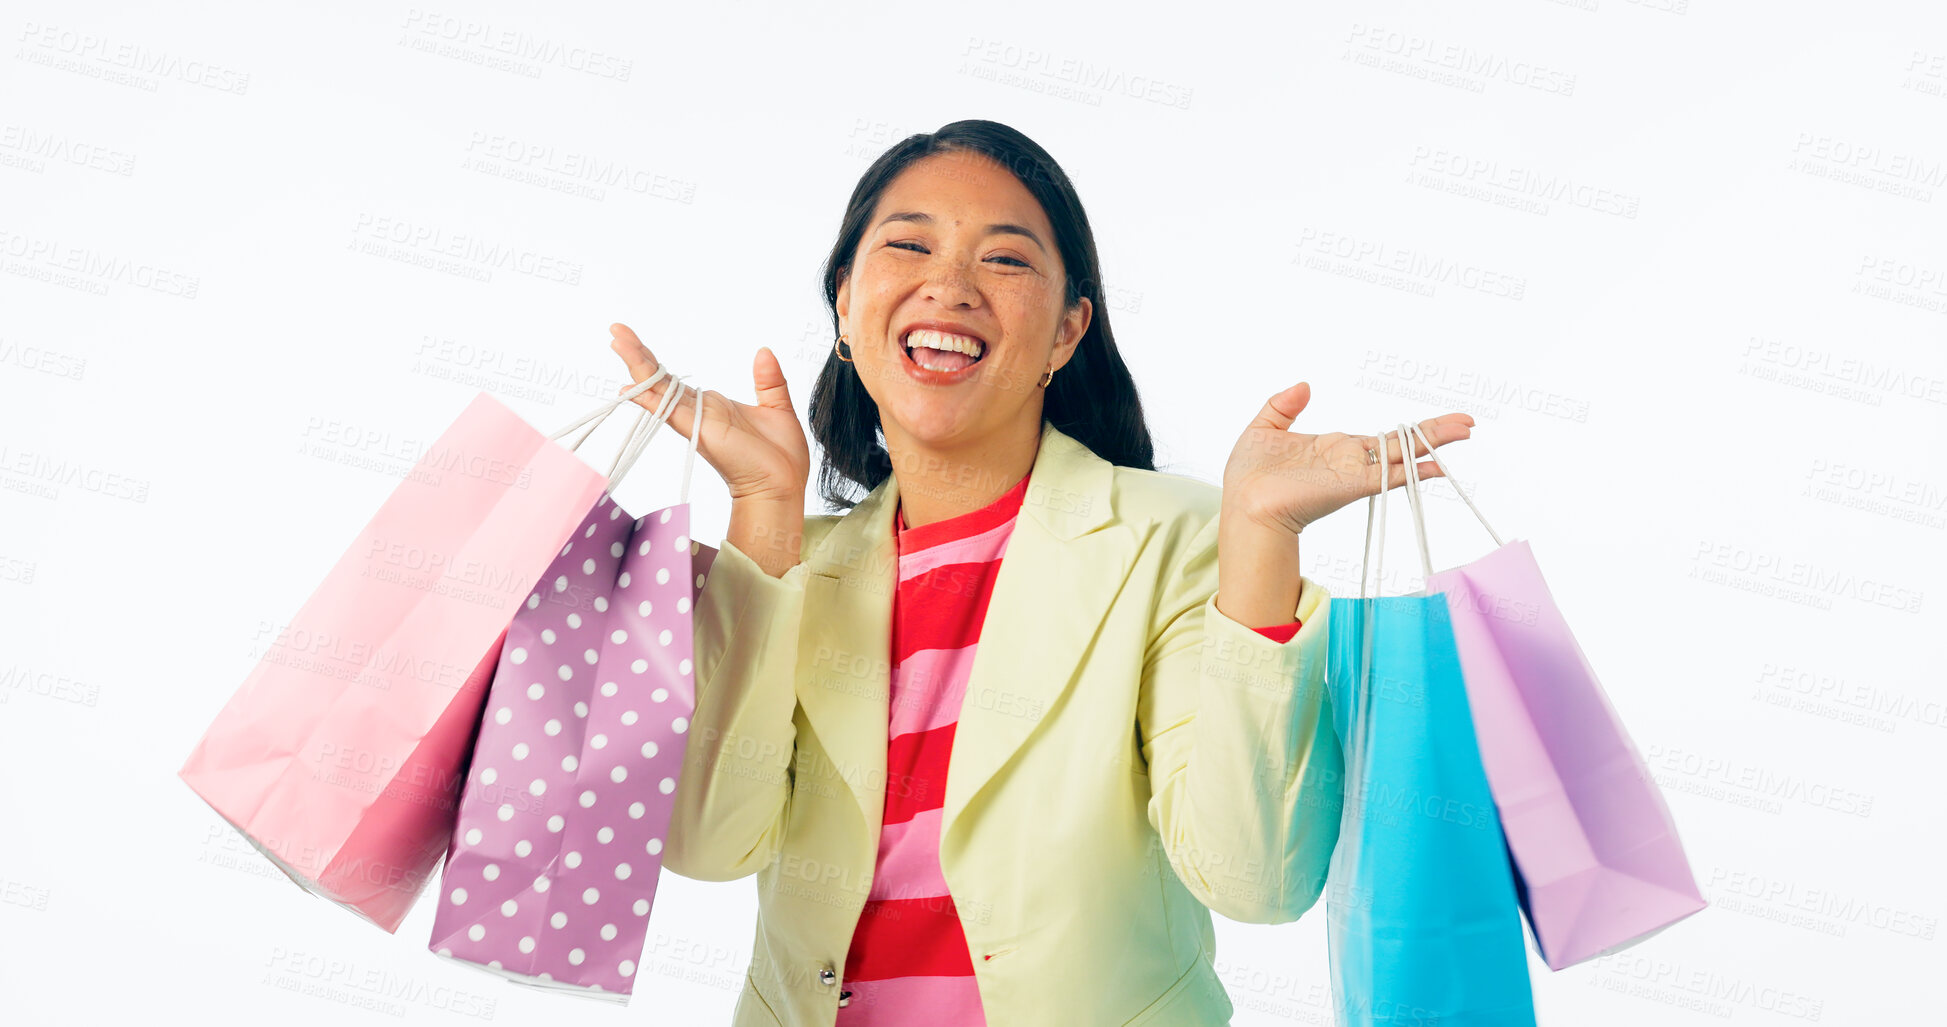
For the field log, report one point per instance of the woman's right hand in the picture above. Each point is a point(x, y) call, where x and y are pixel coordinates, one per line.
point(759, 450)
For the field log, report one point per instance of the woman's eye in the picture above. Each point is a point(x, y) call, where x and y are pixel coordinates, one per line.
point(913, 247)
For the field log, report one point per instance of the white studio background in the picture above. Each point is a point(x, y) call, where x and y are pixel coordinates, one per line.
point(1685, 261)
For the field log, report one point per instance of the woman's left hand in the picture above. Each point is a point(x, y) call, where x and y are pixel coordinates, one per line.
point(1284, 480)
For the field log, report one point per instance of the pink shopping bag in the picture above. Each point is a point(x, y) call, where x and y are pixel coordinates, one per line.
point(1594, 844)
point(340, 756)
point(554, 862)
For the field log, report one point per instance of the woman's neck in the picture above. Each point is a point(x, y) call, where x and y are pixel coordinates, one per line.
point(935, 484)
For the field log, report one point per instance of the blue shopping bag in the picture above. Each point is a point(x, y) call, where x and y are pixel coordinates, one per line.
point(1421, 913)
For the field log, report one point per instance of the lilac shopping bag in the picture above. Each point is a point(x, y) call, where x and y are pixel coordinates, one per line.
point(555, 859)
point(1594, 844)
point(340, 756)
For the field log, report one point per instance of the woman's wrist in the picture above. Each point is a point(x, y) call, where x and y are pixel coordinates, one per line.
point(1258, 578)
point(769, 530)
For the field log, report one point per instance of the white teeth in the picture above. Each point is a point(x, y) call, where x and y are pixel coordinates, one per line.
point(927, 338)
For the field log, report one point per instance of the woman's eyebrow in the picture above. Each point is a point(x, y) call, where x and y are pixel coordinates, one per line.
point(920, 217)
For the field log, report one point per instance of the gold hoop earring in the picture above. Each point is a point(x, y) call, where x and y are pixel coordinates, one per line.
point(1047, 376)
point(843, 354)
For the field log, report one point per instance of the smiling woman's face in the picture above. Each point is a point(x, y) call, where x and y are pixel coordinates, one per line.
point(958, 248)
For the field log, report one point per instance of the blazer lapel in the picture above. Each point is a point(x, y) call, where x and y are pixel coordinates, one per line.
point(1058, 576)
point(845, 673)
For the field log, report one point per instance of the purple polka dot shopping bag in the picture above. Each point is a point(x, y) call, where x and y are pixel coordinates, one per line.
point(342, 754)
point(554, 860)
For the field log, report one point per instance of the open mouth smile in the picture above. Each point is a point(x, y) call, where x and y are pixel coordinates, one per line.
point(940, 355)
point(942, 351)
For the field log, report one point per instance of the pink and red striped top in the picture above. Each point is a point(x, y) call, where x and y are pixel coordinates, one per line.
point(909, 956)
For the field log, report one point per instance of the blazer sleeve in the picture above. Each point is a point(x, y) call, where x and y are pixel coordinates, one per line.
point(1246, 774)
point(732, 797)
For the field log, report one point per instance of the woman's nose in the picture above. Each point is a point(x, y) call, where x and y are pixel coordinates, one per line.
point(948, 284)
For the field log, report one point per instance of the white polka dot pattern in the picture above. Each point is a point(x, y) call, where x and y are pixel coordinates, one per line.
point(568, 797)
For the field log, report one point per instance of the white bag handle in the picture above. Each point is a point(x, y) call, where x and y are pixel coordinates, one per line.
point(1359, 714)
point(594, 418)
point(1366, 555)
point(646, 425)
point(639, 437)
point(645, 429)
point(1464, 497)
point(600, 413)
point(1413, 497)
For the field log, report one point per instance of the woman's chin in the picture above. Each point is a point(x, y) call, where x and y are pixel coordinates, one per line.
point(936, 422)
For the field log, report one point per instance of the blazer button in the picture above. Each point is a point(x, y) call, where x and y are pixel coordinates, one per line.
point(844, 998)
point(827, 977)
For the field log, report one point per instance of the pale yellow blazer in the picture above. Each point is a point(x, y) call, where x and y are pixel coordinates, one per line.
point(1126, 755)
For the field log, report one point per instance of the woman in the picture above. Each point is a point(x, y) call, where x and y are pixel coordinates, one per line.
point(1037, 835)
